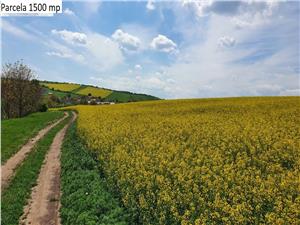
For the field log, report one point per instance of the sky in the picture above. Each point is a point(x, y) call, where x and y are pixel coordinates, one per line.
point(178, 49)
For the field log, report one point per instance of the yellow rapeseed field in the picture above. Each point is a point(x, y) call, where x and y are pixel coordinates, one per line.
point(96, 92)
point(209, 161)
point(62, 86)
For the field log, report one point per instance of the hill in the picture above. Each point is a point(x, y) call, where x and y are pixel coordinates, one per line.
point(71, 93)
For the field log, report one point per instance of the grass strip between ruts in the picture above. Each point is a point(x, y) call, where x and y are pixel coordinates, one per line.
point(85, 196)
point(14, 198)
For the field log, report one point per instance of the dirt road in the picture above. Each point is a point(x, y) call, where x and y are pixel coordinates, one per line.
point(7, 170)
point(43, 207)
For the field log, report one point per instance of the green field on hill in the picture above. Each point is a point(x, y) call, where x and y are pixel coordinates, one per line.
point(76, 90)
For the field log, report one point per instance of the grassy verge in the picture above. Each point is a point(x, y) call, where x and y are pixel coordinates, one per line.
point(85, 197)
point(16, 132)
point(15, 196)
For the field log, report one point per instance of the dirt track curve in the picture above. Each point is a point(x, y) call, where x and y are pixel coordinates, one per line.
point(43, 207)
point(8, 169)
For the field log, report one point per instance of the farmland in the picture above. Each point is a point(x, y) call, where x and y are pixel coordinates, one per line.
point(61, 86)
point(98, 92)
point(60, 94)
point(232, 161)
point(85, 188)
point(77, 91)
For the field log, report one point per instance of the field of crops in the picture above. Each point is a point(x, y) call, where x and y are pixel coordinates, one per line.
point(233, 161)
point(95, 92)
point(61, 86)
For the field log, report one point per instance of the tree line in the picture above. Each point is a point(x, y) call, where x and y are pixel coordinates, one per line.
point(21, 93)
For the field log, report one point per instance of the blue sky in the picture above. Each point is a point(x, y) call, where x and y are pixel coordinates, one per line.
point(182, 49)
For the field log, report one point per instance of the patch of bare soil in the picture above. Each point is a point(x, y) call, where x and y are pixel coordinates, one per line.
point(8, 169)
point(43, 207)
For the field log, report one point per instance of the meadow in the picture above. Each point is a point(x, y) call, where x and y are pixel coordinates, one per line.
point(202, 161)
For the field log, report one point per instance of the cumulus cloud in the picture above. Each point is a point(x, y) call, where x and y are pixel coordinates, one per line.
point(226, 42)
point(150, 5)
point(95, 50)
point(265, 61)
point(138, 67)
point(71, 37)
point(163, 44)
point(126, 41)
point(103, 52)
point(231, 8)
point(68, 12)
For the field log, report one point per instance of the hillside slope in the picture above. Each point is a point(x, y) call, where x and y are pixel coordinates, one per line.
point(59, 90)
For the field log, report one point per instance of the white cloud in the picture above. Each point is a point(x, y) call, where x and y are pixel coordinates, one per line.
point(58, 54)
point(150, 5)
point(138, 67)
point(145, 33)
point(264, 62)
point(16, 31)
point(163, 44)
point(232, 8)
point(126, 41)
point(62, 51)
point(226, 42)
point(98, 51)
point(91, 7)
point(69, 12)
point(103, 52)
point(201, 7)
point(78, 57)
point(293, 92)
point(139, 84)
point(240, 24)
point(71, 37)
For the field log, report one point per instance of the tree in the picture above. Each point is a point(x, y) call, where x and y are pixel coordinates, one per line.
point(21, 93)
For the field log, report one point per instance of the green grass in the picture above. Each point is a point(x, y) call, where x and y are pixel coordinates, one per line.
point(14, 198)
point(16, 132)
point(85, 197)
point(122, 96)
